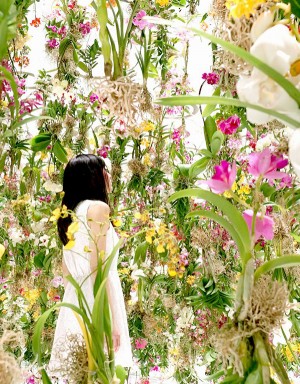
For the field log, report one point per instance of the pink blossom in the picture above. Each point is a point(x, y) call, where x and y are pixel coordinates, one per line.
point(211, 78)
point(140, 343)
point(94, 97)
point(31, 380)
point(53, 28)
point(223, 178)
point(57, 281)
point(230, 125)
point(85, 28)
point(62, 31)
point(52, 43)
point(264, 225)
point(103, 151)
point(265, 164)
point(139, 21)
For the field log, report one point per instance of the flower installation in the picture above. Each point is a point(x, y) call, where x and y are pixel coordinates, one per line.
point(209, 256)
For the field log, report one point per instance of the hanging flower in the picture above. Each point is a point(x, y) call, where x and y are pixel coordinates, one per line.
point(36, 22)
point(278, 48)
point(223, 178)
point(211, 78)
point(230, 125)
point(266, 164)
point(264, 225)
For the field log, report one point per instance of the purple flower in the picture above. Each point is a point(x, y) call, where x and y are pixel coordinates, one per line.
point(265, 164)
point(230, 125)
point(85, 28)
point(264, 225)
point(223, 178)
point(57, 281)
point(211, 78)
point(31, 380)
point(62, 31)
point(103, 151)
point(52, 43)
point(53, 28)
point(138, 21)
point(140, 343)
point(94, 97)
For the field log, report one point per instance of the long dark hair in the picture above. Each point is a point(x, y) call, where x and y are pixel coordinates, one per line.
point(83, 180)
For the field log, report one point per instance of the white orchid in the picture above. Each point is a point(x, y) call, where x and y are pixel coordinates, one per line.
point(294, 151)
point(52, 187)
point(261, 24)
point(278, 48)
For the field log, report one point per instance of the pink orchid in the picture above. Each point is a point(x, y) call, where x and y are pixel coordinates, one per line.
point(264, 225)
point(139, 21)
point(140, 343)
point(266, 164)
point(230, 125)
point(224, 177)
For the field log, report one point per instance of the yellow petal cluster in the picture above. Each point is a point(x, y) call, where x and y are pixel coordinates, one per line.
point(240, 8)
point(72, 229)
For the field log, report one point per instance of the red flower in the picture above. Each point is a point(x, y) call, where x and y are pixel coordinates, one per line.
point(36, 22)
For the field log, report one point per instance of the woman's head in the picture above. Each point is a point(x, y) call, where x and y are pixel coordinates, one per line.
point(85, 178)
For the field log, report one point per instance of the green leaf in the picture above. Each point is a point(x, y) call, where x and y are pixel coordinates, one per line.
point(83, 67)
point(140, 253)
point(196, 100)
point(216, 142)
point(121, 374)
point(40, 142)
point(210, 127)
point(45, 377)
point(295, 6)
point(280, 262)
point(198, 167)
point(60, 152)
point(2, 161)
point(233, 214)
point(209, 109)
point(30, 119)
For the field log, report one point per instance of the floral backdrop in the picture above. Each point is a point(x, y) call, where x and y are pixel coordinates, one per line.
point(210, 261)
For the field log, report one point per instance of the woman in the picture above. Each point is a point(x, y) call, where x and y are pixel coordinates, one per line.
point(86, 185)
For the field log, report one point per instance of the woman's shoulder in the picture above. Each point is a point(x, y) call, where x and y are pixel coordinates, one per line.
point(97, 209)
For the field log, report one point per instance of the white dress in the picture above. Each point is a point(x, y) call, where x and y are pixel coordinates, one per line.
point(78, 264)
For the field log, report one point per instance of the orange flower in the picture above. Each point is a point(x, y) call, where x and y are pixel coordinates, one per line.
point(36, 22)
point(112, 3)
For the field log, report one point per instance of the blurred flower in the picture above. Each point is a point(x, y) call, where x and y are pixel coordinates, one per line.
point(264, 225)
point(261, 24)
point(211, 78)
point(230, 125)
point(265, 164)
point(103, 151)
point(49, 186)
point(138, 21)
point(94, 97)
point(140, 343)
point(239, 8)
point(223, 178)
point(36, 22)
point(57, 281)
point(2, 250)
point(52, 43)
point(162, 3)
point(85, 28)
point(278, 48)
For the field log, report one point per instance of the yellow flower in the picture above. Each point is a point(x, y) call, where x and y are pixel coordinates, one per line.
point(162, 3)
point(172, 272)
point(145, 142)
point(233, 189)
point(117, 222)
point(32, 295)
point(124, 271)
point(146, 160)
point(191, 279)
point(3, 103)
point(72, 228)
point(149, 234)
point(3, 297)
point(70, 244)
point(160, 248)
point(59, 212)
point(36, 314)
point(2, 250)
point(162, 229)
point(137, 215)
point(146, 126)
point(239, 8)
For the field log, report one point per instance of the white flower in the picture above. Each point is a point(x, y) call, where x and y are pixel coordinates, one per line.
point(59, 87)
point(294, 151)
point(52, 187)
point(262, 23)
point(84, 3)
point(136, 274)
point(265, 142)
point(279, 49)
point(16, 236)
